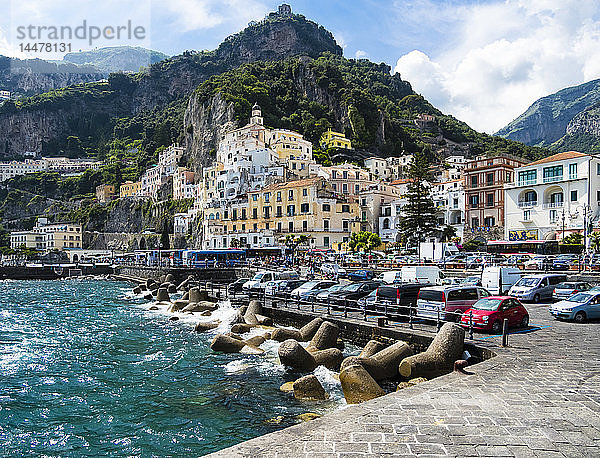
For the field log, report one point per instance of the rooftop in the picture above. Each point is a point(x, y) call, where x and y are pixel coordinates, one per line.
point(559, 157)
point(293, 184)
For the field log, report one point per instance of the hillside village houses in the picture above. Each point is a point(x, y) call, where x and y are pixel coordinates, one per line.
point(265, 184)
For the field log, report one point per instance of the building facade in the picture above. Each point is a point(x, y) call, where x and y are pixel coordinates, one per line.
point(484, 195)
point(130, 189)
point(553, 197)
point(332, 139)
point(105, 193)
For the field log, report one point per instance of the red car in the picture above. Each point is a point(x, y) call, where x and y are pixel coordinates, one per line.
point(489, 314)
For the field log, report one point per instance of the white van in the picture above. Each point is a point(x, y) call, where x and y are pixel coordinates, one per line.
point(498, 280)
point(260, 280)
point(422, 274)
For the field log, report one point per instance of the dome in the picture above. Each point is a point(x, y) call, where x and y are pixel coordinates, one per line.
point(256, 106)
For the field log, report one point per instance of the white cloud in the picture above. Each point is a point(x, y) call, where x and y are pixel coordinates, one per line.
point(360, 54)
point(188, 15)
point(505, 55)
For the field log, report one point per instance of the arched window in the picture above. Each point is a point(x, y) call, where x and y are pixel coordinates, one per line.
point(386, 223)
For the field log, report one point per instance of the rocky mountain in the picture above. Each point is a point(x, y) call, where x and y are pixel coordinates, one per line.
point(116, 58)
point(582, 133)
point(156, 96)
point(546, 120)
point(34, 76)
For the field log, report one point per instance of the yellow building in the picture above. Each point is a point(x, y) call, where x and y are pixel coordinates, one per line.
point(105, 193)
point(332, 139)
point(307, 206)
point(64, 240)
point(292, 150)
point(130, 189)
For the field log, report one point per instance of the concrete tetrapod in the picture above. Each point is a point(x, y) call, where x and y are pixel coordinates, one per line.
point(383, 364)
point(197, 295)
point(294, 355)
point(308, 388)
point(203, 327)
point(325, 337)
point(228, 344)
point(439, 357)
point(303, 334)
point(162, 295)
point(372, 347)
point(254, 308)
point(358, 386)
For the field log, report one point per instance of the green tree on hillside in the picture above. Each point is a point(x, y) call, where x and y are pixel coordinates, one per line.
point(418, 219)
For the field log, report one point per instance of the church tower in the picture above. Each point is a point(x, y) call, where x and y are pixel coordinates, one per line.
point(256, 115)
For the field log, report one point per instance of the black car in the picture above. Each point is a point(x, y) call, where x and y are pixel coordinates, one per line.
point(352, 292)
point(395, 301)
point(236, 286)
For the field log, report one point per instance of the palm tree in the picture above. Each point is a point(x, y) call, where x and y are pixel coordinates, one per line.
point(447, 233)
point(293, 242)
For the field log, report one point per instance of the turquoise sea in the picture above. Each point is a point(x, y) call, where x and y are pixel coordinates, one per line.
point(86, 369)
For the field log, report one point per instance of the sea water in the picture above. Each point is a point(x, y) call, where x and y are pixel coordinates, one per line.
point(87, 369)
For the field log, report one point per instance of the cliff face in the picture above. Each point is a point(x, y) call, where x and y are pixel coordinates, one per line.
point(546, 120)
point(205, 124)
point(588, 122)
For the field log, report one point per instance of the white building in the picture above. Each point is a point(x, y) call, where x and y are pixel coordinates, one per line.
point(181, 223)
point(552, 196)
point(12, 169)
point(378, 167)
point(449, 199)
point(168, 159)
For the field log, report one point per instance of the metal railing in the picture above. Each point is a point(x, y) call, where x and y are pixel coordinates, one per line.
point(383, 312)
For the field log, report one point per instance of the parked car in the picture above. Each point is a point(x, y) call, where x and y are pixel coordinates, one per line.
point(565, 261)
point(397, 300)
point(367, 302)
point(489, 313)
point(536, 287)
point(472, 280)
point(285, 287)
point(539, 263)
point(566, 289)
point(312, 293)
point(390, 277)
point(309, 286)
point(236, 286)
point(333, 270)
point(450, 301)
point(260, 280)
point(579, 307)
point(452, 281)
point(323, 296)
point(353, 292)
point(361, 275)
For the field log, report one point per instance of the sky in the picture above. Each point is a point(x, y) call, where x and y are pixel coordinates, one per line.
point(482, 61)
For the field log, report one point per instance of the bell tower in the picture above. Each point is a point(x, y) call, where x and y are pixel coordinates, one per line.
point(256, 115)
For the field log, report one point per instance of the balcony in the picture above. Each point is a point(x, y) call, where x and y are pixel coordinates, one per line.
point(527, 182)
point(572, 176)
point(528, 204)
point(553, 179)
point(553, 205)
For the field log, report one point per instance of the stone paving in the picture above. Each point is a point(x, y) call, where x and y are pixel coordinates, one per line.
point(539, 397)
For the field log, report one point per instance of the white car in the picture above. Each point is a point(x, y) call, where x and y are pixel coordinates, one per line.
point(308, 286)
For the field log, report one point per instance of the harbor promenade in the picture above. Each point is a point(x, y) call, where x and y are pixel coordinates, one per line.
point(538, 397)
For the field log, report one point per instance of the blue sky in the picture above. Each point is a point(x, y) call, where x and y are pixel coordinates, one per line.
point(483, 61)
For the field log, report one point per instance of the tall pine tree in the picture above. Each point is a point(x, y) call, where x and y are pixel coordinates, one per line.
point(419, 219)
